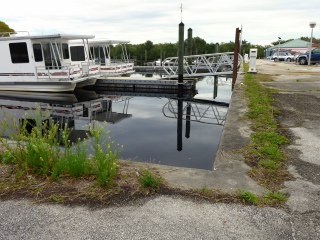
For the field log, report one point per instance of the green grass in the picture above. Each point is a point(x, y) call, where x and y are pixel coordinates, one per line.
point(247, 197)
point(275, 198)
point(150, 181)
point(264, 154)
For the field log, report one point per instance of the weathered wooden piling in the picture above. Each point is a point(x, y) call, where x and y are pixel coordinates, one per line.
point(235, 58)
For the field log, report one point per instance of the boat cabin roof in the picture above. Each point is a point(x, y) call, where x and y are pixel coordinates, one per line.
point(103, 42)
point(99, 42)
point(51, 36)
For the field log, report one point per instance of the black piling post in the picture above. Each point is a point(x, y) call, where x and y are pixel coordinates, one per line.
point(215, 87)
point(217, 47)
point(188, 125)
point(189, 52)
point(179, 124)
point(180, 86)
point(180, 53)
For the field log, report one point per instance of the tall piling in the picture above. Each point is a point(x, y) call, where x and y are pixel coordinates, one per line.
point(215, 87)
point(179, 124)
point(189, 48)
point(188, 122)
point(217, 47)
point(180, 86)
point(235, 58)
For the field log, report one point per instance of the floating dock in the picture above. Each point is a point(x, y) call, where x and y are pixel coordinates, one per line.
point(144, 83)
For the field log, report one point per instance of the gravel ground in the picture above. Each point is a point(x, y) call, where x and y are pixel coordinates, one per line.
point(166, 217)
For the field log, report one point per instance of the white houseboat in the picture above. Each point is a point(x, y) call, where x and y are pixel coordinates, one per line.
point(100, 53)
point(42, 63)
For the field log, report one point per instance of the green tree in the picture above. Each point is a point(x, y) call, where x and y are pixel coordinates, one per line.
point(148, 45)
point(314, 40)
point(5, 28)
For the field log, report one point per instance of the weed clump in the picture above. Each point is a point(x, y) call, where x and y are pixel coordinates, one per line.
point(247, 197)
point(150, 181)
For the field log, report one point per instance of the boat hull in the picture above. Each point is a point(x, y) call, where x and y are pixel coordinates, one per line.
point(89, 82)
point(57, 98)
point(38, 86)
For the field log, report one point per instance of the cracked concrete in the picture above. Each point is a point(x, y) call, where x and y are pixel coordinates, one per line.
point(166, 217)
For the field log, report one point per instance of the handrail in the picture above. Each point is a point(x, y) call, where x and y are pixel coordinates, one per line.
point(202, 65)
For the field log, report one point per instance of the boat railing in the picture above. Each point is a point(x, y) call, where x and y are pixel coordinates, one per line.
point(119, 60)
point(89, 68)
point(65, 73)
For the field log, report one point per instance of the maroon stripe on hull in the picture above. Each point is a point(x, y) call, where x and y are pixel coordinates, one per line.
point(17, 74)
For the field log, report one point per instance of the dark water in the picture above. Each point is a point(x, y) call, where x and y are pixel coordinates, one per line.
point(146, 125)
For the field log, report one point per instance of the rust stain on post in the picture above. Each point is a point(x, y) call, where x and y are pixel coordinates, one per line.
point(235, 59)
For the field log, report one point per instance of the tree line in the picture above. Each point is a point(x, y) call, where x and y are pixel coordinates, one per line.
point(314, 40)
point(150, 51)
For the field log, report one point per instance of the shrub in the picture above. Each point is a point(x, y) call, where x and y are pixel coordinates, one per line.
point(105, 161)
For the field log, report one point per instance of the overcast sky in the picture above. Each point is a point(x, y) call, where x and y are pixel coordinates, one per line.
point(140, 20)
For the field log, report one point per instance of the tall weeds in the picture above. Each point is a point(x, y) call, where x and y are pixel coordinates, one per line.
point(105, 160)
point(40, 150)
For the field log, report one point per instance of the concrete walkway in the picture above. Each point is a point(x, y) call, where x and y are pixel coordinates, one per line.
point(180, 218)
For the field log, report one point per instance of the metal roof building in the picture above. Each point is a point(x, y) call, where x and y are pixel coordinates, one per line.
point(294, 46)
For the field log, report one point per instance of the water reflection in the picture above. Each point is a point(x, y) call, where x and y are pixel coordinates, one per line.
point(149, 124)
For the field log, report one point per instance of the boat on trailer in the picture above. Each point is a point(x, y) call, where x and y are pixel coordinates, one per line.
point(101, 54)
point(42, 63)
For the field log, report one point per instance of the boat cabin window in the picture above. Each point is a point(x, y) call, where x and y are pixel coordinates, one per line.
point(47, 55)
point(37, 52)
point(77, 53)
point(51, 56)
point(65, 51)
point(19, 52)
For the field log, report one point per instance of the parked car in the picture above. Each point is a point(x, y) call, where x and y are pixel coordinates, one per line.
point(296, 56)
point(282, 56)
point(315, 57)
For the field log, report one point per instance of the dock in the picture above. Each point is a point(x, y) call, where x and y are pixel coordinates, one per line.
point(144, 83)
point(149, 68)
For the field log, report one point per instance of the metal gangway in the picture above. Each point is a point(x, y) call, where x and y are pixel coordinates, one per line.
point(201, 65)
point(197, 111)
